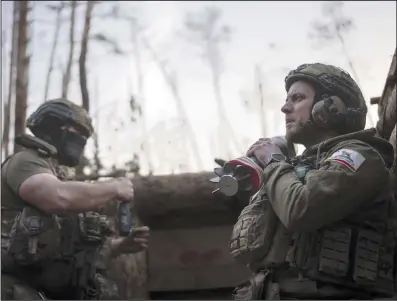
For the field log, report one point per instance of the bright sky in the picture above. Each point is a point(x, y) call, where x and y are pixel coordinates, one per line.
point(255, 25)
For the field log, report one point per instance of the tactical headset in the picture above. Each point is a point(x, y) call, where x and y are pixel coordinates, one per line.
point(330, 112)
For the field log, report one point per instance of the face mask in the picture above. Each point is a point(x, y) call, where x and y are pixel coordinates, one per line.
point(70, 148)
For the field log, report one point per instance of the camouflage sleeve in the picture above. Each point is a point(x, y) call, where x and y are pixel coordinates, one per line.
point(333, 192)
point(24, 165)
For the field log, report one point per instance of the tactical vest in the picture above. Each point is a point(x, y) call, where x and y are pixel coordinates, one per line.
point(52, 253)
point(358, 252)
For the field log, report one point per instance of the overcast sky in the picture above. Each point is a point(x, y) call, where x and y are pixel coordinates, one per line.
point(271, 34)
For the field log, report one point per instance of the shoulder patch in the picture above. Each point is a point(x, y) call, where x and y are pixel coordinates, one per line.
point(349, 158)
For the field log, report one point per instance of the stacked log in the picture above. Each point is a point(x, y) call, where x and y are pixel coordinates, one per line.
point(388, 117)
point(184, 200)
point(387, 112)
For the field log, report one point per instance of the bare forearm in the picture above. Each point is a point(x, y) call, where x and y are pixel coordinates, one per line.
point(76, 197)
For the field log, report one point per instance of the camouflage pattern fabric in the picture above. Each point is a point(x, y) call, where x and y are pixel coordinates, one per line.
point(79, 118)
point(89, 227)
point(14, 289)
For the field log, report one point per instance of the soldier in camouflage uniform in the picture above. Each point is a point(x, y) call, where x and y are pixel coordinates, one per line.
point(52, 244)
point(326, 223)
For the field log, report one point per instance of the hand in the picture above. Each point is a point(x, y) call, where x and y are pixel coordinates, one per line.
point(125, 189)
point(133, 243)
point(263, 150)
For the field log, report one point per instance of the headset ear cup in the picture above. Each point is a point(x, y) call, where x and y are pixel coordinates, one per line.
point(320, 114)
point(329, 112)
point(338, 107)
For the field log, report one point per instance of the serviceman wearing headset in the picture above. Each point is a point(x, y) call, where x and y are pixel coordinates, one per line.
point(334, 200)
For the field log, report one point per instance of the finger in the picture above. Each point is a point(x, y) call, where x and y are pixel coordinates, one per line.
point(140, 240)
point(140, 230)
point(252, 150)
point(141, 235)
point(256, 143)
point(144, 246)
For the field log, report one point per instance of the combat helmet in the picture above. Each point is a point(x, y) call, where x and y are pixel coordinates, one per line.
point(59, 112)
point(333, 84)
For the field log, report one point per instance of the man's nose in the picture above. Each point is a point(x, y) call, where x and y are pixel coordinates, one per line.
point(286, 108)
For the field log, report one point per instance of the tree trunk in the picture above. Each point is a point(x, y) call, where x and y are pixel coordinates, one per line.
point(22, 73)
point(11, 84)
point(83, 56)
point(68, 72)
point(53, 50)
point(83, 70)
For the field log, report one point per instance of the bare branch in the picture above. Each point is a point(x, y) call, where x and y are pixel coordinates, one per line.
point(83, 56)
point(333, 27)
point(102, 38)
point(82, 67)
point(68, 72)
point(208, 34)
point(170, 78)
point(11, 84)
point(58, 10)
point(135, 108)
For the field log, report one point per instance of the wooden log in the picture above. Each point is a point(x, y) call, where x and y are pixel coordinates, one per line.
point(184, 200)
point(388, 118)
point(387, 102)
